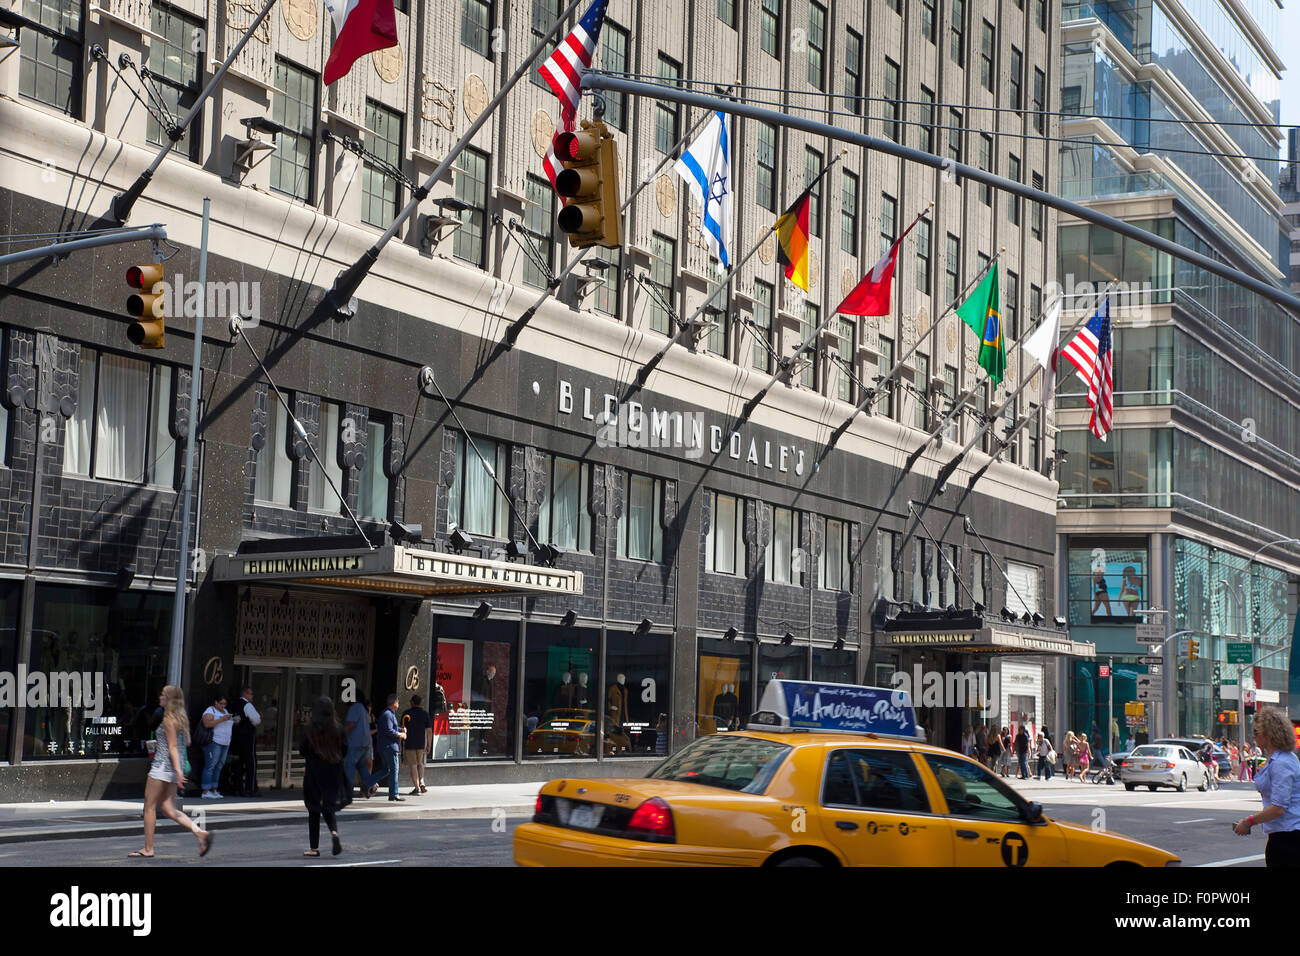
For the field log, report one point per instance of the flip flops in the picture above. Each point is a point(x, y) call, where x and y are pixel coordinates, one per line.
point(205, 843)
point(141, 853)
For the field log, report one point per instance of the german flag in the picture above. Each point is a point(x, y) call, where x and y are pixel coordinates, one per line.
point(792, 240)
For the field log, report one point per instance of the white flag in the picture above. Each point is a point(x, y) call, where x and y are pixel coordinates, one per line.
point(706, 167)
point(1041, 347)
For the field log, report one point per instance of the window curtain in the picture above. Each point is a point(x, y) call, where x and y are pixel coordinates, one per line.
point(565, 483)
point(372, 492)
point(1022, 587)
point(724, 520)
point(77, 434)
point(274, 469)
point(480, 492)
point(781, 528)
point(122, 418)
point(321, 496)
point(163, 452)
point(640, 509)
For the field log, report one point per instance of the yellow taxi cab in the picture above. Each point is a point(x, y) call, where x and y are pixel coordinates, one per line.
point(824, 775)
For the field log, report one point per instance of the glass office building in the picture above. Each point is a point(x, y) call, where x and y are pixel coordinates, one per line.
point(1192, 504)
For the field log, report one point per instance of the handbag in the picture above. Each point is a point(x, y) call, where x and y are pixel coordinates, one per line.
point(200, 736)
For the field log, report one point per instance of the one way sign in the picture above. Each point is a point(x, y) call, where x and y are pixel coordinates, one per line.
point(1148, 687)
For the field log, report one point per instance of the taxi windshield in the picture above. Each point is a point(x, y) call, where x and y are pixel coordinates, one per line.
point(743, 764)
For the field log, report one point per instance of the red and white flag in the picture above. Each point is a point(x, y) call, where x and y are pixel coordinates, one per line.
point(563, 69)
point(1091, 353)
point(360, 27)
point(871, 295)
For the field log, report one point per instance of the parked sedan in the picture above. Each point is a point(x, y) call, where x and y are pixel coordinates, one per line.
point(1163, 765)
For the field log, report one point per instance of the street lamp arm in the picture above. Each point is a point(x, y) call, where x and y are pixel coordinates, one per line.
point(1271, 543)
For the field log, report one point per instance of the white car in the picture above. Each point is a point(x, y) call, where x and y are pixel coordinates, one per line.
point(1163, 765)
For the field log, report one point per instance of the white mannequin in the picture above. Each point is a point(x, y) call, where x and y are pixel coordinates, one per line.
point(582, 680)
point(622, 679)
point(566, 677)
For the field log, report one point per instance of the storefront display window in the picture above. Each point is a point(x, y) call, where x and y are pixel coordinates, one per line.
point(724, 698)
point(1107, 584)
point(835, 667)
point(637, 694)
point(10, 594)
point(562, 699)
point(119, 639)
point(476, 663)
point(1099, 699)
point(781, 662)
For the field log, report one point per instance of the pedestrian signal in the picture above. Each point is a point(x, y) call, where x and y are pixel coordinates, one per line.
point(589, 185)
point(1227, 717)
point(146, 307)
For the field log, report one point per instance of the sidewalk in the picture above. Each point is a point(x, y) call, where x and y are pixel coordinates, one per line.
point(81, 819)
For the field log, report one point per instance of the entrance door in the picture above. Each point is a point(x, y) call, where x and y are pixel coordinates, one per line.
point(308, 687)
point(284, 697)
point(268, 697)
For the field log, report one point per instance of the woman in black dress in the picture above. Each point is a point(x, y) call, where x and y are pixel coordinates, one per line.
point(324, 790)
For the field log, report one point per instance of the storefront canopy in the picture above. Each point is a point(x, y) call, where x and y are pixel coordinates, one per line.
point(990, 639)
point(396, 570)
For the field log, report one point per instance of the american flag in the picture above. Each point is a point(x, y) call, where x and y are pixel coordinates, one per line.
point(1091, 353)
point(563, 70)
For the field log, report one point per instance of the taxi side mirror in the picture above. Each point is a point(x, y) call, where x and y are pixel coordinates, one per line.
point(1034, 813)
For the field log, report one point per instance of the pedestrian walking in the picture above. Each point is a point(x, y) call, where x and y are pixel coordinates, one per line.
point(981, 745)
point(324, 789)
point(1234, 760)
point(995, 749)
point(419, 742)
point(1085, 758)
point(1046, 756)
point(167, 772)
point(221, 722)
point(1022, 751)
point(356, 728)
point(1278, 783)
point(390, 736)
point(243, 742)
point(968, 741)
point(1004, 762)
point(1070, 751)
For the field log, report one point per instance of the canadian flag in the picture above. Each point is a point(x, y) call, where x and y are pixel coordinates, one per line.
point(361, 27)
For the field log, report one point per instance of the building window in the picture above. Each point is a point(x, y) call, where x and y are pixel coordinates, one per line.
point(896, 6)
point(544, 15)
point(833, 563)
point(539, 223)
point(1036, 209)
point(613, 58)
point(175, 68)
point(952, 269)
point(949, 560)
point(849, 213)
point(1035, 303)
point(923, 256)
point(987, 46)
point(372, 480)
point(667, 114)
point(1011, 307)
point(1035, 436)
point(727, 12)
point(1040, 14)
point(853, 72)
point(888, 221)
point(954, 135)
point(1017, 80)
point(950, 396)
point(1040, 100)
point(562, 519)
point(274, 482)
point(812, 173)
point(606, 297)
point(51, 54)
point(816, 46)
point(766, 180)
point(476, 26)
point(640, 527)
point(293, 164)
point(783, 560)
point(472, 188)
point(845, 346)
point(892, 107)
point(926, 109)
point(119, 431)
point(474, 503)
point(379, 190)
point(812, 317)
point(761, 356)
point(884, 365)
point(769, 28)
point(724, 545)
point(1008, 426)
point(716, 343)
point(663, 266)
point(921, 383)
point(928, 20)
point(982, 406)
point(986, 164)
point(978, 577)
point(323, 495)
point(1022, 587)
point(957, 46)
point(886, 581)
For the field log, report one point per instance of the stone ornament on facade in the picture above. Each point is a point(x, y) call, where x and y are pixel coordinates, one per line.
point(300, 17)
point(475, 97)
point(922, 320)
point(388, 63)
point(767, 249)
point(950, 334)
point(847, 282)
point(437, 103)
point(814, 269)
point(666, 195)
point(543, 131)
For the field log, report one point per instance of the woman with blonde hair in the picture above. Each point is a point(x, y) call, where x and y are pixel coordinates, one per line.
point(1070, 751)
point(167, 773)
point(1278, 783)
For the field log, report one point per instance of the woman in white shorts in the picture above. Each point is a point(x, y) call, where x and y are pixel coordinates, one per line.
point(167, 772)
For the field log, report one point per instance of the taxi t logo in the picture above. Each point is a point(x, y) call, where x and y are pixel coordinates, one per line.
point(1015, 851)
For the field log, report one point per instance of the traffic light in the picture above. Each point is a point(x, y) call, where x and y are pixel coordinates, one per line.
point(589, 185)
point(1193, 650)
point(146, 307)
point(1227, 717)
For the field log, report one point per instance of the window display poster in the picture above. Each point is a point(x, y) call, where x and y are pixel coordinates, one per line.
point(568, 679)
point(452, 672)
point(718, 706)
point(1118, 586)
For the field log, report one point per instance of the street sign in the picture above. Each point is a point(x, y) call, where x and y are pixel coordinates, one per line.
point(1148, 688)
point(1103, 670)
point(1239, 653)
point(1154, 659)
point(1150, 633)
point(1154, 669)
point(1156, 648)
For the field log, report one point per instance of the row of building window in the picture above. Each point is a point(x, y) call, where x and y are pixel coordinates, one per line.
point(783, 559)
point(938, 580)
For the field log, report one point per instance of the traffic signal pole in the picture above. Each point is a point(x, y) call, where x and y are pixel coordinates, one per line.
point(111, 237)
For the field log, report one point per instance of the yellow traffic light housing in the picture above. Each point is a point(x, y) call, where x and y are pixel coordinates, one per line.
point(1193, 650)
point(589, 185)
point(146, 307)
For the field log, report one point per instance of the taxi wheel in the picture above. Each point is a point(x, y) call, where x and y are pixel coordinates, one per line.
point(802, 856)
point(1151, 787)
point(797, 861)
point(1182, 784)
point(1129, 787)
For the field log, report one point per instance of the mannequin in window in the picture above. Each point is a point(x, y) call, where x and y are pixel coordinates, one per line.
point(582, 693)
point(483, 699)
point(616, 700)
point(564, 694)
point(726, 707)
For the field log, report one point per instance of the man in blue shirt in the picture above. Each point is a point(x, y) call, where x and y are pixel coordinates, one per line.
point(356, 726)
point(388, 750)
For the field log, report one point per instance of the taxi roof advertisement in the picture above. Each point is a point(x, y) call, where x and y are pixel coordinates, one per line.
point(845, 708)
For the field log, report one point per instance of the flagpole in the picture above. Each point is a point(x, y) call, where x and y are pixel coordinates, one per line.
point(517, 326)
point(339, 297)
point(121, 205)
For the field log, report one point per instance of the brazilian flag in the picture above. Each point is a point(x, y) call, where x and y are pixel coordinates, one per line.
point(983, 313)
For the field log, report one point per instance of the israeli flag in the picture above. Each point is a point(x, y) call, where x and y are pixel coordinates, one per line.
point(706, 167)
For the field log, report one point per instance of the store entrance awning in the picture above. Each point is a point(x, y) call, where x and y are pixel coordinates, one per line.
point(397, 570)
point(990, 639)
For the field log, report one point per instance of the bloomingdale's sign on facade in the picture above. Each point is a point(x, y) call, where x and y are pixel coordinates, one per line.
point(632, 425)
